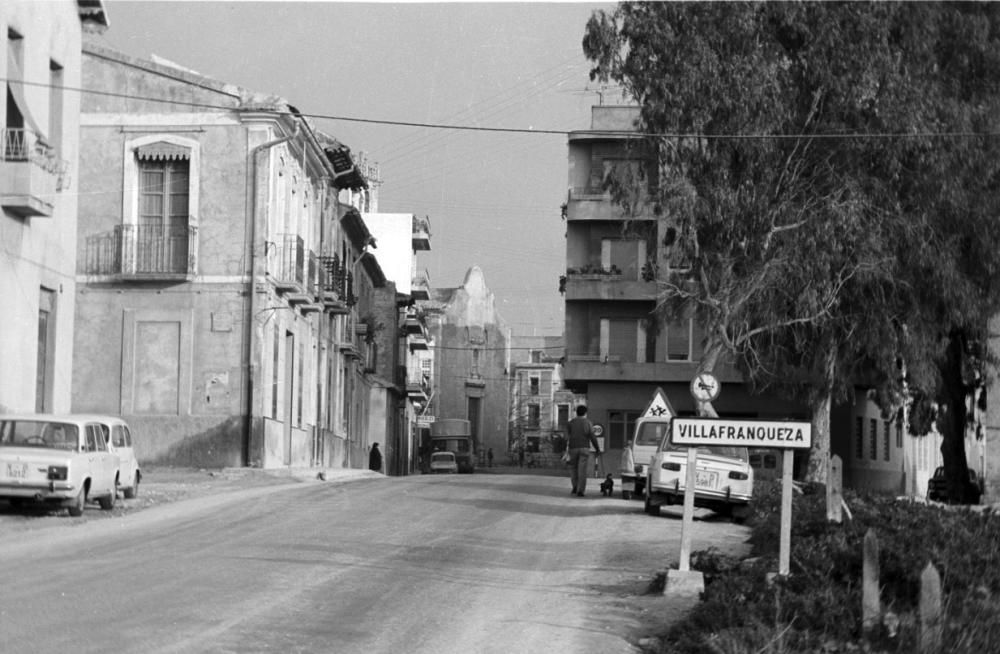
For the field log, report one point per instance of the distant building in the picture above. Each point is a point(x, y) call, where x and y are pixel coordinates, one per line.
point(408, 359)
point(471, 360)
point(39, 187)
point(541, 404)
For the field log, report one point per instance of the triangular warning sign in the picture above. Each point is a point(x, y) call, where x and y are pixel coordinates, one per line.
point(659, 407)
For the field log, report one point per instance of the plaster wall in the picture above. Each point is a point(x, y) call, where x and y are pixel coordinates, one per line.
point(39, 251)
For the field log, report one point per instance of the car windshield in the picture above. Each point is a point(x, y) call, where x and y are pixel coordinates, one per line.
point(651, 433)
point(38, 433)
point(740, 453)
point(443, 456)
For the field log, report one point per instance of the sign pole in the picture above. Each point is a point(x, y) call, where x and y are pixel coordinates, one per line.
point(687, 523)
point(785, 541)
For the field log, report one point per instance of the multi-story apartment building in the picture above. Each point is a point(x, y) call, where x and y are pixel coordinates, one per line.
point(471, 361)
point(617, 350)
point(39, 147)
point(223, 274)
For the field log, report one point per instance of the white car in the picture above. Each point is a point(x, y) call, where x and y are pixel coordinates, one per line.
point(57, 460)
point(723, 479)
point(119, 437)
point(444, 462)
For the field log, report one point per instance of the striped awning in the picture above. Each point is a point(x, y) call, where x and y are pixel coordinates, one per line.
point(162, 151)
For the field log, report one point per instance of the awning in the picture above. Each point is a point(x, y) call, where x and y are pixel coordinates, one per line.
point(15, 84)
point(162, 151)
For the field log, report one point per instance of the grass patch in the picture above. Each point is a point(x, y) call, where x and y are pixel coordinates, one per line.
point(818, 607)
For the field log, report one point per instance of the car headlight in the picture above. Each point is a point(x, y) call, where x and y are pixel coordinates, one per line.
point(58, 473)
point(670, 465)
point(738, 475)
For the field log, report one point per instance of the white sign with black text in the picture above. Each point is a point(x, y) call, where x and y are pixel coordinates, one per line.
point(783, 434)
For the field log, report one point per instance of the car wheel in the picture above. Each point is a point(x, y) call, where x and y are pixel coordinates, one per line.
point(132, 491)
point(76, 508)
point(650, 508)
point(108, 501)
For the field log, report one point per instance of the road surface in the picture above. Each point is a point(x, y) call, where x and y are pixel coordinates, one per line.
point(422, 564)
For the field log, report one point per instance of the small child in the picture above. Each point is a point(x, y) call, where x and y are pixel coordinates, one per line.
point(608, 486)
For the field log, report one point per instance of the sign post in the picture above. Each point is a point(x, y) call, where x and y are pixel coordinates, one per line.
point(713, 432)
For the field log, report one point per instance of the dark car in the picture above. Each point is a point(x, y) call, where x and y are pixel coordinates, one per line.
point(937, 487)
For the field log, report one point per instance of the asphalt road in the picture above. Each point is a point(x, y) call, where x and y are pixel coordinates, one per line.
point(422, 564)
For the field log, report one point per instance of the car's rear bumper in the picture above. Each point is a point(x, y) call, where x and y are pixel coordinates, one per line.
point(674, 494)
point(54, 490)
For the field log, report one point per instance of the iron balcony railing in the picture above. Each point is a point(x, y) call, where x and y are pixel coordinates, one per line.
point(288, 263)
point(334, 277)
point(146, 250)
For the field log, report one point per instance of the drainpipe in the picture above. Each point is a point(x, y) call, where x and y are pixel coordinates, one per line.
point(252, 366)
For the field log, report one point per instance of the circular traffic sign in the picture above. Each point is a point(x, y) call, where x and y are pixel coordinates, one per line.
point(705, 387)
point(597, 430)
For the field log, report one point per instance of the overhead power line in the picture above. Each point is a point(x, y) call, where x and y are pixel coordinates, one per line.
point(549, 132)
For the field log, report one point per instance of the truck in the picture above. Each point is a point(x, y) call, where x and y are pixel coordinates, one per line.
point(454, 435)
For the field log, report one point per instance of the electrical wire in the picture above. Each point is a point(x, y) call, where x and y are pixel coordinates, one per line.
point(550, 132)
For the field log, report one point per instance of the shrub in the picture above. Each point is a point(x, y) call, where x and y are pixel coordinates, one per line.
point(817, 608)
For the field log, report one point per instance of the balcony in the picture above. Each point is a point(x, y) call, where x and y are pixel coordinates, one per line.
point(417, 342)
point(143, 252)
point(286, 264)
point(334, 285)
point(30, 174)
point(420, 286)
point(417, 386)
point(594, 203)
point(605, 285)
point(595, 368)
point(421, 239)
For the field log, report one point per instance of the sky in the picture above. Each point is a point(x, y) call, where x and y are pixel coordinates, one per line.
point(493, 198)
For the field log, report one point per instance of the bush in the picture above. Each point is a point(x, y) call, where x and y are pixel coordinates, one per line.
point(817, 608)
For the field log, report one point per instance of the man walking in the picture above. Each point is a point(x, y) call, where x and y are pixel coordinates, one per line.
point(579, 437)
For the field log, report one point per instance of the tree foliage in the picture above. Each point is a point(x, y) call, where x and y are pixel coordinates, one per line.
point(831, 174)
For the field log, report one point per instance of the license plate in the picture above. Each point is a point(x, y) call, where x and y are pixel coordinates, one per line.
point(17, 470)
point(706, 479)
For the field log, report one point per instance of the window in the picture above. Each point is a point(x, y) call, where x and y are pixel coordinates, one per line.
point(159, 206)
point(899, 434)
point(534, 416)
point(55, 105)
point(859, 438)
point(679, 339)
point(562, 416)
point(873, 432)
point(620, 340)
point(45, 356)
point(624, 255)
point(885, 434)
point(621, 426)
point(161, 235)
point(533, 386)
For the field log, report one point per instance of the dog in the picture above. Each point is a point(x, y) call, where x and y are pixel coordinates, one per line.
point(607, 486)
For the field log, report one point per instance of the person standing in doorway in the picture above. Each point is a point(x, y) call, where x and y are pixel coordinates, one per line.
point(489, 456)
point(375, 458)
point(579, 439)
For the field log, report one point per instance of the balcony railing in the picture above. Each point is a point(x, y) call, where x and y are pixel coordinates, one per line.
point(288, 262)
point(335, 281)
point(30, 173)
point(142, 250)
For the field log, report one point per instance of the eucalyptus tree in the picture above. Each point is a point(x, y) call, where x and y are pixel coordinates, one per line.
point(816, 162)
